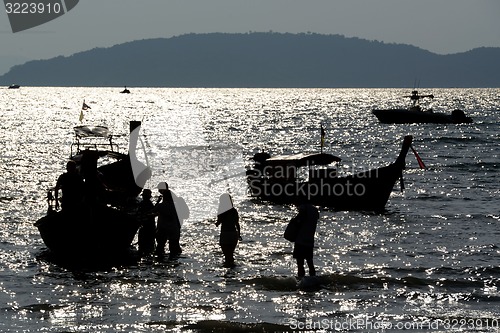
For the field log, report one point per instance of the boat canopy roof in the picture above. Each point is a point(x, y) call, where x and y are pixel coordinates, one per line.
point(96, 138)
point(97, 131)
point(299, 160)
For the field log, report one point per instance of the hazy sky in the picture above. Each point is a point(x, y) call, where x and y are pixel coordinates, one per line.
point(441, 26)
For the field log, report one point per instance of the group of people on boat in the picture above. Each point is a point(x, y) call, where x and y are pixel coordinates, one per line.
point(80, 184)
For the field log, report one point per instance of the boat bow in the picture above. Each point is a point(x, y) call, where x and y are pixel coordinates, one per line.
point(400, 161)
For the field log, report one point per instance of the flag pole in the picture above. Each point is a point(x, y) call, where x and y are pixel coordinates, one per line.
point(322, 138)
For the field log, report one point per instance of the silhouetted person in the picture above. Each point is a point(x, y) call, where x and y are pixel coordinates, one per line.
point(307, 216)
point(228, 219)
point(94, 186)
point(171, 210)
point(72, 186)
point(147, 230)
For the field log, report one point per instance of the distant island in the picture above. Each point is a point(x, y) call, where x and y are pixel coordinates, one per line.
point(261, 60)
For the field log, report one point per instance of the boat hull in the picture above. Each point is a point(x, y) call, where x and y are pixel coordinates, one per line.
point(274, 179)
point(90, 233)
point(405, 116)
point(366, 191)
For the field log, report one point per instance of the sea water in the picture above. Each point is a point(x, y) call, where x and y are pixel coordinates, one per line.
point(430, 262)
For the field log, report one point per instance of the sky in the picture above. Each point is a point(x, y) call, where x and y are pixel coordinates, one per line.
point(440, 26)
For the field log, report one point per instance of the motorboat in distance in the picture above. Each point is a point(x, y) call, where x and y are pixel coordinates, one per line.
point(416, 114)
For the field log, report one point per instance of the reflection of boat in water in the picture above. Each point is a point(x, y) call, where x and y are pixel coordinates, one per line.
point(125, 91)
point(278, 179)
point(416, 114)
point(103, 225)
point(14, 86)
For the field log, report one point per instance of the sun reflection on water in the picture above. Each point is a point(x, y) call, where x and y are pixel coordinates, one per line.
point(428, 256)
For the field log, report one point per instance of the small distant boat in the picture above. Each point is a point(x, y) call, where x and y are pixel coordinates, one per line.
point(125, 91)
point(103, 225)
point(416, 114)
point(14, 86)
point(313, 177)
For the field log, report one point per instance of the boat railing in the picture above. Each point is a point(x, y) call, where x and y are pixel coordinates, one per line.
point(94, 138)
point(88, 144)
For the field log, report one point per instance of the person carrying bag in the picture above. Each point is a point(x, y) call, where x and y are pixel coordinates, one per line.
point(301, 230)
point(292, 229)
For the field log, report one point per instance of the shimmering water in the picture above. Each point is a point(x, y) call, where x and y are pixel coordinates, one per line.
point(429, 263)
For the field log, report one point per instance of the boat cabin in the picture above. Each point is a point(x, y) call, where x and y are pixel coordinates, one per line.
point(295, 168)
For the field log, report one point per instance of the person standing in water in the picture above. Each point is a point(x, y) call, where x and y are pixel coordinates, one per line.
point(148, 225)
point(228, 219)
point(171, 210)
point(307, 218)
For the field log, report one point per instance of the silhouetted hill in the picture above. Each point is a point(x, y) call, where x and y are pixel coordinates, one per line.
point(262, 60)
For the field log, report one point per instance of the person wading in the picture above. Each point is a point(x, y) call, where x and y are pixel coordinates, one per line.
point(228, 219)
point(307, 218)
point(171, 210)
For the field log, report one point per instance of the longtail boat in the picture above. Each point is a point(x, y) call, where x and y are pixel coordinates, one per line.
point(278, 179)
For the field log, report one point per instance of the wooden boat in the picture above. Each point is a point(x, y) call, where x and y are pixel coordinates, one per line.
point(416, 114)
point(14, 86)
point(277, 179)
point(103, 225)
point(93, 233)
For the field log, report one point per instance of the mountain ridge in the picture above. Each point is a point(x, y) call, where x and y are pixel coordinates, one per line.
point(261, 60)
